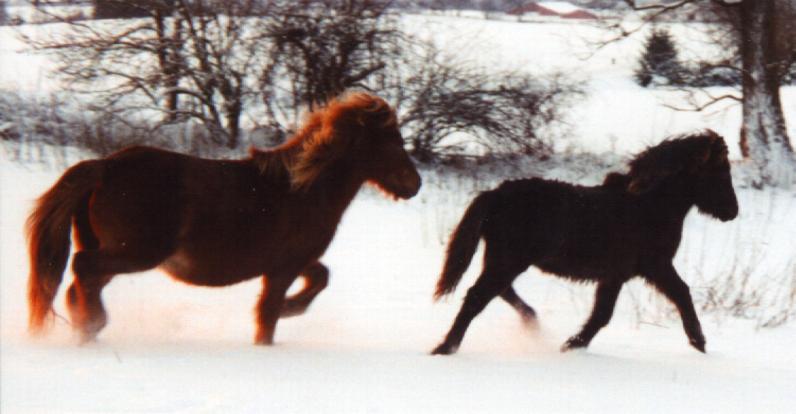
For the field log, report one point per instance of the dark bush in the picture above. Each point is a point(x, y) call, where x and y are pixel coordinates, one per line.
point(710, 74)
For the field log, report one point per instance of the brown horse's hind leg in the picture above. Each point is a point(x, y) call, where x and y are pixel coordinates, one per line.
point(85, 306)
point(316, 276)
point(93, 270)
point(269, 307)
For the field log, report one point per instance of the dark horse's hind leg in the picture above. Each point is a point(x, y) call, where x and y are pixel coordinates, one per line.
point(316, 278)
point(668, 282)
point(488, 285)
point(526, 312)
point(604, 301)
point(270, 306)
point(93, 270)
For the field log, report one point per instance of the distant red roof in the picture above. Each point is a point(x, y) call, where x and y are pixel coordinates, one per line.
point(540, 9)
point(579, 14)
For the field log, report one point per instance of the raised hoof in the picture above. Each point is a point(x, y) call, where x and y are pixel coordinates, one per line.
point(575, 342)
point(88, 332)
point(86, 339)
point(444, 349)
point(698, 344)
point(289, 311)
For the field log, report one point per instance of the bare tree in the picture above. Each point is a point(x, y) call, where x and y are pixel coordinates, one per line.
point(321, 48)
point(767, 49)
point(3, 15)
point(208, 59)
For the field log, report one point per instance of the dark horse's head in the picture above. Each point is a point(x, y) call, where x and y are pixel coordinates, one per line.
point(698, 163)
point(359, 133)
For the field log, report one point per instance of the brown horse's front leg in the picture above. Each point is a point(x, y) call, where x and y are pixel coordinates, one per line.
point(269, 307)
point(316, 278)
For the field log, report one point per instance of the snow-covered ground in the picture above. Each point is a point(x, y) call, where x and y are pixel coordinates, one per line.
point(362, 347)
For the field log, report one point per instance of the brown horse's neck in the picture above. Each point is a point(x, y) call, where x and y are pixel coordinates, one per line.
point(332, 190)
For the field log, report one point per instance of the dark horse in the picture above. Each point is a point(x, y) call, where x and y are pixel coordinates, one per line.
point(630, 225)
point(215, 222)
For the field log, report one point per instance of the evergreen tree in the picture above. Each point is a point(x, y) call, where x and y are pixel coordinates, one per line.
point(658, 64)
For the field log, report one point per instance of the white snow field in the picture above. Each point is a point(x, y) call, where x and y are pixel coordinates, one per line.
point(363, 345)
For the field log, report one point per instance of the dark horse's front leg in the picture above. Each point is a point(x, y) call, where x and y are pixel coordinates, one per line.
point(668, 282)
point(604, 302)
point(316, 278)
point(270, 305)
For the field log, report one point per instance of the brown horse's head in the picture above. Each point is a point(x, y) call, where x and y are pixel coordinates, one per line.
point(358, 132)
point(700, 162)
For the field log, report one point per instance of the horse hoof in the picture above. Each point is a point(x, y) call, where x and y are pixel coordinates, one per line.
point(530, 322)
point(575, 342)
point(262, 340)
point(443, 349)
point(698, 344)
point(86, 340)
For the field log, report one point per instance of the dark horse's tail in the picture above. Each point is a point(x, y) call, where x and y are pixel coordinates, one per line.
point(463, 244)
point(48, 237)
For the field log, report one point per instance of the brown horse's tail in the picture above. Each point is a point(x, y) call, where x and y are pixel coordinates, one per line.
point(463, 244)
point(48, 237)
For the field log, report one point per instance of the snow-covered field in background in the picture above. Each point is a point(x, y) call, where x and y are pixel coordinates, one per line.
point(362, 347)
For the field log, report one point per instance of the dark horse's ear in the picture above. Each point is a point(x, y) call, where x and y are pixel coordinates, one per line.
point(616, 181)
point(641, 184)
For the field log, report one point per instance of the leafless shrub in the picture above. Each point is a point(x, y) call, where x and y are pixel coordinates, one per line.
point(35, 130)
point(450, 108)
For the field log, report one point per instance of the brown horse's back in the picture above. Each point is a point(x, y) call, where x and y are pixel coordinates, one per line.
point(136, 205)
point(200, 219)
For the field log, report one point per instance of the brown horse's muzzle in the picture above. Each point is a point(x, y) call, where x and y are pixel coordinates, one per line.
point(407, 182)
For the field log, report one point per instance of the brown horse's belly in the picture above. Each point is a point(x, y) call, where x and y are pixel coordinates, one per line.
point(186, 269)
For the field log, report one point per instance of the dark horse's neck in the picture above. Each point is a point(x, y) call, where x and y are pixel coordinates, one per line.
point(671, 200)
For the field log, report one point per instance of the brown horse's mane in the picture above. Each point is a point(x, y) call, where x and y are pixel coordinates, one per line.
point(679, 153)
point(324, 138)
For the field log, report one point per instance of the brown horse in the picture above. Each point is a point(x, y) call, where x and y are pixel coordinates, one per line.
point(629, 226)
point(215, 222)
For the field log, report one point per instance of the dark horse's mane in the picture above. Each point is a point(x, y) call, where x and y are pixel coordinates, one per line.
point(669, 157)
point(322, 139)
